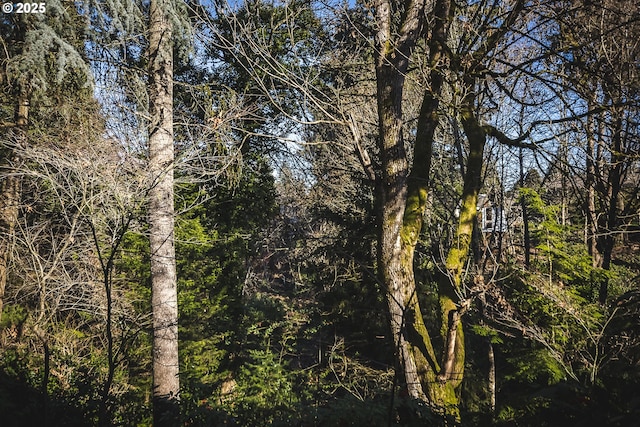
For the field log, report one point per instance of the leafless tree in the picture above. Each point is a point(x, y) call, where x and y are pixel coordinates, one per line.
point(602, 49)
point(82, 195)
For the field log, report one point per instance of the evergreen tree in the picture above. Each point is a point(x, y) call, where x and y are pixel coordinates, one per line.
point(164, 296)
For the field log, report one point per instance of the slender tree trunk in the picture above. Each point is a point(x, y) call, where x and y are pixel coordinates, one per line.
point(107, 267)
point(492, 378)
point(592, 214)
point(607, 240)
point(450, 285)
point(10, 191)
point(45, 381)
point(104, 412)
point(564, 173)
point(9, 201)
point(166, 384)
point(526, 235)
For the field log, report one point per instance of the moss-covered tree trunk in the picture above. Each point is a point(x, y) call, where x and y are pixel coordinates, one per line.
point(429, 375)
point(391, 66)
point(452, 302)
point(402, 204)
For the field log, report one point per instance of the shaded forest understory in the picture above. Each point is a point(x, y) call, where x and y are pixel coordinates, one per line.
point(413, 213)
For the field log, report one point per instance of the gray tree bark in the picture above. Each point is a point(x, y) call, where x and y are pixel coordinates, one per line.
point(164, 299)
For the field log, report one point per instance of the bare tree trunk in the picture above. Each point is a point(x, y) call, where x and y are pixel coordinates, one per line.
point(10, 192)
point(592, 214)
point(166, 385)
point(607, 239)
point(526, 235)
point(564, 173)
point(492, 378)
point(104, 410)
point(9, 200)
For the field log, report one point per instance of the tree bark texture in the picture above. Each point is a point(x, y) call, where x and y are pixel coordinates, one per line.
point(491, 380)
point(9, 200)
point(10, 183)
point(403, 198)
point(591, 210)
point(391, 66)
point(402, 191)
point(450, 286)
point(166, 384)
point(526, 235)
point(609, 219)
point(10, 192)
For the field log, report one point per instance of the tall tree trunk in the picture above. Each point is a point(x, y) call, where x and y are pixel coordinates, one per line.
point(166, 384)
point(403, 200)
point(402, 196)
point(441, 386)
point(10, 191)
point(592, 213)
point(10, 183)
point(391, 65)
point(526, 234)
point(392, 198)
point(614, 185)
point(452, 305)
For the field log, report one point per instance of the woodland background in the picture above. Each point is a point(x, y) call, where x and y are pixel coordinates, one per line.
point(327, 159)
